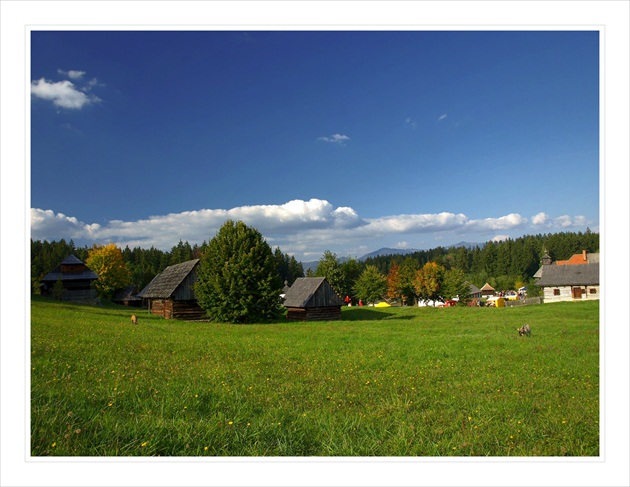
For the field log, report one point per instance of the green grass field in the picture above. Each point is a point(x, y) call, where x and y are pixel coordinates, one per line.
point(382, 382)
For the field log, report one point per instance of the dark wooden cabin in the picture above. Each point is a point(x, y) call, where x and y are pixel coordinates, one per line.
point(171, 293)
point(128, 296)
point(312, 299)
point(76, 279)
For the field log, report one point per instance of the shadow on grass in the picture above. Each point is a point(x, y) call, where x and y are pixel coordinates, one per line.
point(370, 314)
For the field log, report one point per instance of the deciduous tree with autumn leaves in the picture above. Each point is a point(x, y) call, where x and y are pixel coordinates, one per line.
point(113, 273)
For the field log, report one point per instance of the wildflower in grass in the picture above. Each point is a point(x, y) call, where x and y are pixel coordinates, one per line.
point(230, 422)
point(205, 448)
point(144, 444)
point(54, 444)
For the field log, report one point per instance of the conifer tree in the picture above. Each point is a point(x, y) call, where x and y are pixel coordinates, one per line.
point(238, 280)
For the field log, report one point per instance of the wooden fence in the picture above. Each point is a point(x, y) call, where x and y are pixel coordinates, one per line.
point(524, 302)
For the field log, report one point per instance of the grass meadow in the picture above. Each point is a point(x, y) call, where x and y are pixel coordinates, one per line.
point(382, 382)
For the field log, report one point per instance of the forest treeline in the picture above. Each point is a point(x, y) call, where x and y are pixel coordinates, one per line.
point(143, 264)
point(505, 264)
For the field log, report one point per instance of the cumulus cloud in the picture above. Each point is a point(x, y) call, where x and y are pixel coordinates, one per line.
point(66, 94)
point(72, 74)
point(298, 227)
point(566, 221)
point(48, 225)
point(507, 222)
point(417, 223)
point(561, 222)
point(63, 94)
point(335, 138)
point(540, 219)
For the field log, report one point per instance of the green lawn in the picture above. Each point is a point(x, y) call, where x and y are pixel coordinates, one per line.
point(387, 382)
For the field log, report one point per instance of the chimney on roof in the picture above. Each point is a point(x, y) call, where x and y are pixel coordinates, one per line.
point(584, 255)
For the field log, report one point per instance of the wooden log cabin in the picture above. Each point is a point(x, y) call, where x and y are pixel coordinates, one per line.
point(312, 299)
point(171, 293)
point(76, 280)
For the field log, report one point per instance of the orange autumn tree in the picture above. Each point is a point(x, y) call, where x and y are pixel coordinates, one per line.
point(113, 273)
point(394, 283)
point(400, 281)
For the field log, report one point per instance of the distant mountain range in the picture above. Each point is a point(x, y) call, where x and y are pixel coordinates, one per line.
point(389, 251)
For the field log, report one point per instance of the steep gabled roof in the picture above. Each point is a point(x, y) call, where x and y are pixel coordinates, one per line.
point(165, 284)
point(473, 289)
point(310, 292)
point(569, 275)
point(583, 258)
point(127, 294)
point(487, 287)
point(57, 275)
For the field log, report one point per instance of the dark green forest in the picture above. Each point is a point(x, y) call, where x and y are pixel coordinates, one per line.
point(144, 264)
point(505, 265)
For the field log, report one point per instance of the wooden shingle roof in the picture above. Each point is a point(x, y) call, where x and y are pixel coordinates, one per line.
point(57, 275)
point(127, 294)
point(165, 284)
point(473, 289)
point(569, 275)
point(311, 292)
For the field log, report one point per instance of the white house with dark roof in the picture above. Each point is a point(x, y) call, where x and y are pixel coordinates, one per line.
point(569, 282)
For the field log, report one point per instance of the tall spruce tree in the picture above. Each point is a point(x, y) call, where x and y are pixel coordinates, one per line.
point(238, 280)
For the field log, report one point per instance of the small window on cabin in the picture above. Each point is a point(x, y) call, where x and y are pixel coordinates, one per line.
point(592, 291)
point(556, 292)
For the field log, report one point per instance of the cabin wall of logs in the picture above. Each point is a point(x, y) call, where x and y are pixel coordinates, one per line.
point(323, 313)
point(179, 310)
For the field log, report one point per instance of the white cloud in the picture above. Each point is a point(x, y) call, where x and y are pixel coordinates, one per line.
point(298, 227)
point(72, 74)
point(335, 138)
point(417, 223)
point(566, 221)
point(63, 94)
point(540, 219)
point(507, 222)
point(561, 222)
point(48, 225)
point(500, 238)
point(444, 116)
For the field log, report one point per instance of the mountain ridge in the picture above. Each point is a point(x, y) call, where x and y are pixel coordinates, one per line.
point(387, 251)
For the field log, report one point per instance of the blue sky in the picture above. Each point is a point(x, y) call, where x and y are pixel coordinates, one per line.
point(323, 140)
